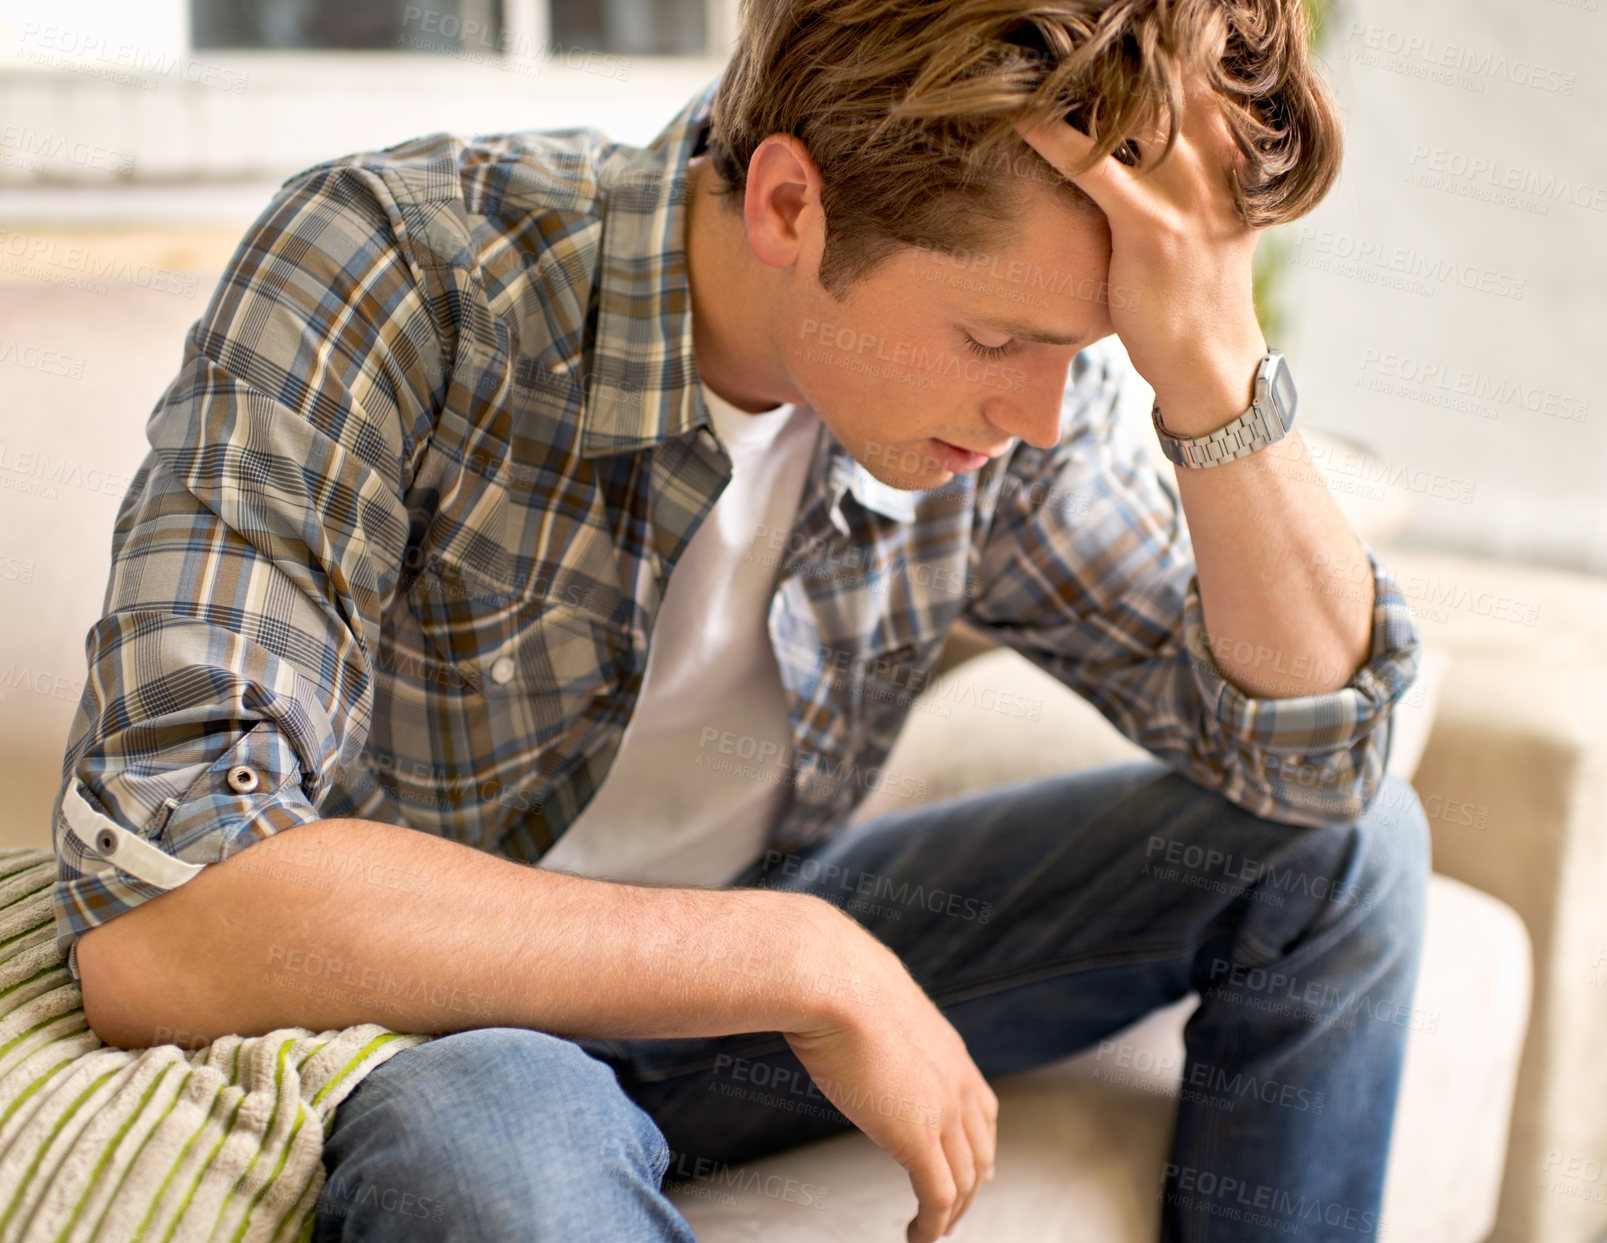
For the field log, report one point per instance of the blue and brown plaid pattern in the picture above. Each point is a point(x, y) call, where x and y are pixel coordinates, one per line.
point(412, 500)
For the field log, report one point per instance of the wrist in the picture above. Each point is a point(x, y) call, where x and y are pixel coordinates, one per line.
point(834, 971)
point(1216, 391)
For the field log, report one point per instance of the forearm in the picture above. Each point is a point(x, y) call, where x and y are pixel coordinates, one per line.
point(1262, 528)
point(444, 938)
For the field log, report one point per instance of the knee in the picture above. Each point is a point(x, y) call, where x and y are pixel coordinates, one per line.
point(551, 1096)
point(1362, 882)
point(1373, 874)
point(504, 1127)
point(1393, 838)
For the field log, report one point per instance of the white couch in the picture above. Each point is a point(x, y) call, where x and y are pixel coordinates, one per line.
point(1519, 737)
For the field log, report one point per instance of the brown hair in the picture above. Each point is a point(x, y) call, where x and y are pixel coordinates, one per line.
point(905, 105)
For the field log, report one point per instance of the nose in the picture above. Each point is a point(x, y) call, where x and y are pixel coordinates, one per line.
point(1034, 412)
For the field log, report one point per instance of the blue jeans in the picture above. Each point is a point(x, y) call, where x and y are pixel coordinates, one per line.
point(1040, 917)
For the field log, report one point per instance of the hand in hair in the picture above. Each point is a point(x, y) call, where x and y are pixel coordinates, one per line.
point(1181, 258)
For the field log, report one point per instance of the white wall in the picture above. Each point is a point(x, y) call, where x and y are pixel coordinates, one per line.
point(265, 116)
point(101, 93)
point(1476, 157)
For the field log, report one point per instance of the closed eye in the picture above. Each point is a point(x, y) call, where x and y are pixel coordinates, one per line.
point(988, 351)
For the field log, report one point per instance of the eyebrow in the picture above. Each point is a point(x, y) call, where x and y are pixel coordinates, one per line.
point(1026, 332)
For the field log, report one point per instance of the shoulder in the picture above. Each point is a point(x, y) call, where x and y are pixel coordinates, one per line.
point(455, 200)
point(488, 174)
point(474, 238)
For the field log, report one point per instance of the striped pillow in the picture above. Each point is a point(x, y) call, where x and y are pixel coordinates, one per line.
point(223, 1142)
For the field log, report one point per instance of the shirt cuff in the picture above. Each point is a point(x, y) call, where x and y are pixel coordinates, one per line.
point(1312, 758)
point(111, 855)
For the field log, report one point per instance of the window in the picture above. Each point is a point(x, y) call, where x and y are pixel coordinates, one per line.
point(352, 24)
point(631, 27)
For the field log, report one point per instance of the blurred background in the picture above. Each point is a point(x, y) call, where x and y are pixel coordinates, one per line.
point(1443, 309)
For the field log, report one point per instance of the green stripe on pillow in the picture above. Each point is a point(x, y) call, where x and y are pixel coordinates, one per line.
point(90, 1133)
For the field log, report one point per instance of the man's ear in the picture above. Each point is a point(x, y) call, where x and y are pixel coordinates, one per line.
point(781, 205)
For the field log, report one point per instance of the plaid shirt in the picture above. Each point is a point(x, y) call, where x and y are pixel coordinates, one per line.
point(413, 499)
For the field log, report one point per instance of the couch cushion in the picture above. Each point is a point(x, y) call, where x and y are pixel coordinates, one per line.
point(1495, 608)
point(1082, 1143)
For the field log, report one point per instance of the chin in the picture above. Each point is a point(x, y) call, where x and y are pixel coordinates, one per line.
point(904, 464)
point(930, 476)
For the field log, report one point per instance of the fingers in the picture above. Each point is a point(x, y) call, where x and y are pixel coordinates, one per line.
point(982, 1128)
point(1205, 124)
point(978, 1126)
point(1202, 156)
point(935, 1196)
point(1109, 182)
point(955, 1169)
point(963, 1166)
point(948, 1173)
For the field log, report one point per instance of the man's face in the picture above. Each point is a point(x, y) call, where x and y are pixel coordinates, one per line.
point(932, 355)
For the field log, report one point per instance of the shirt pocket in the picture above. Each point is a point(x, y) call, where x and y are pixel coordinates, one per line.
point(532, 671)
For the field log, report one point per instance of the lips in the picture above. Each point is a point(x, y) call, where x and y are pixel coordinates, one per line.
point(953, 458)
point(987, 453)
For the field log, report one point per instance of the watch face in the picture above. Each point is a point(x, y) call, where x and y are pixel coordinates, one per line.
point(1282, 387)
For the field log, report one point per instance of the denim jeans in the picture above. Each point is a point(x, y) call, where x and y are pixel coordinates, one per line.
point(1040, 917)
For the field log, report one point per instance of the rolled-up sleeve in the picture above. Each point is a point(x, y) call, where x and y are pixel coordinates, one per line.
point(254, 555)
point(1087, 570)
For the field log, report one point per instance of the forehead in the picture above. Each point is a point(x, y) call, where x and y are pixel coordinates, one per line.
point(1039, 275)
point(1019, 170)
point(1060, 201)
point(1035, 224)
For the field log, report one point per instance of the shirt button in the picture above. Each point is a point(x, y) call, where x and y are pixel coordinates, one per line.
point(502, 670)
point(242, 779)
point(106, 843)
point(706, 439)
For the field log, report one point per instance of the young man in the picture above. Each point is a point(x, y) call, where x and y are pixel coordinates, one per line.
point(512, 487)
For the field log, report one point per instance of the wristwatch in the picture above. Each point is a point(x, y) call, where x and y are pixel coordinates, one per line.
point(1269, 418)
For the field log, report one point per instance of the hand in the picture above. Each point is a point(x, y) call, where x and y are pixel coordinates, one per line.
point(900, 1072)
point(1181, 258)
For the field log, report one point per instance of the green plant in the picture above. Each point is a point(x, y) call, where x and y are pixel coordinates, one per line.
point(1273, 254)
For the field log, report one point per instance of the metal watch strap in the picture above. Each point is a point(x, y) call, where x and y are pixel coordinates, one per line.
point(1238, 439)
point(1256, 428)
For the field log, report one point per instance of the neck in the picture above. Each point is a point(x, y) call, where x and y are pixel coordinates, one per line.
point(731, 328)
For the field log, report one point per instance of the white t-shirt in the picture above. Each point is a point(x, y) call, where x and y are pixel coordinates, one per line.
point(701, 769)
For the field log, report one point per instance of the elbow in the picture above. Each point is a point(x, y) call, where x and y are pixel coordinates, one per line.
point(1344, 802)
point(115, 997)
point(134, 996)
point(1321, 793)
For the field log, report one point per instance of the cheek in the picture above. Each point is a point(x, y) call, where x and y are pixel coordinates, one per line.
point(867, 379)
point(866, 410)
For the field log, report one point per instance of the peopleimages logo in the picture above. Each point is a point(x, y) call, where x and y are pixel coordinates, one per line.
point(119, 60)
point(52, 260)
point(974, 270)
point(1398, 267)
point(483, 43)
point(1449, 64)
point(1261, 1204)
point(34, 358)
point(35, 148)
point(1462, 388)
point(1494, 180)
